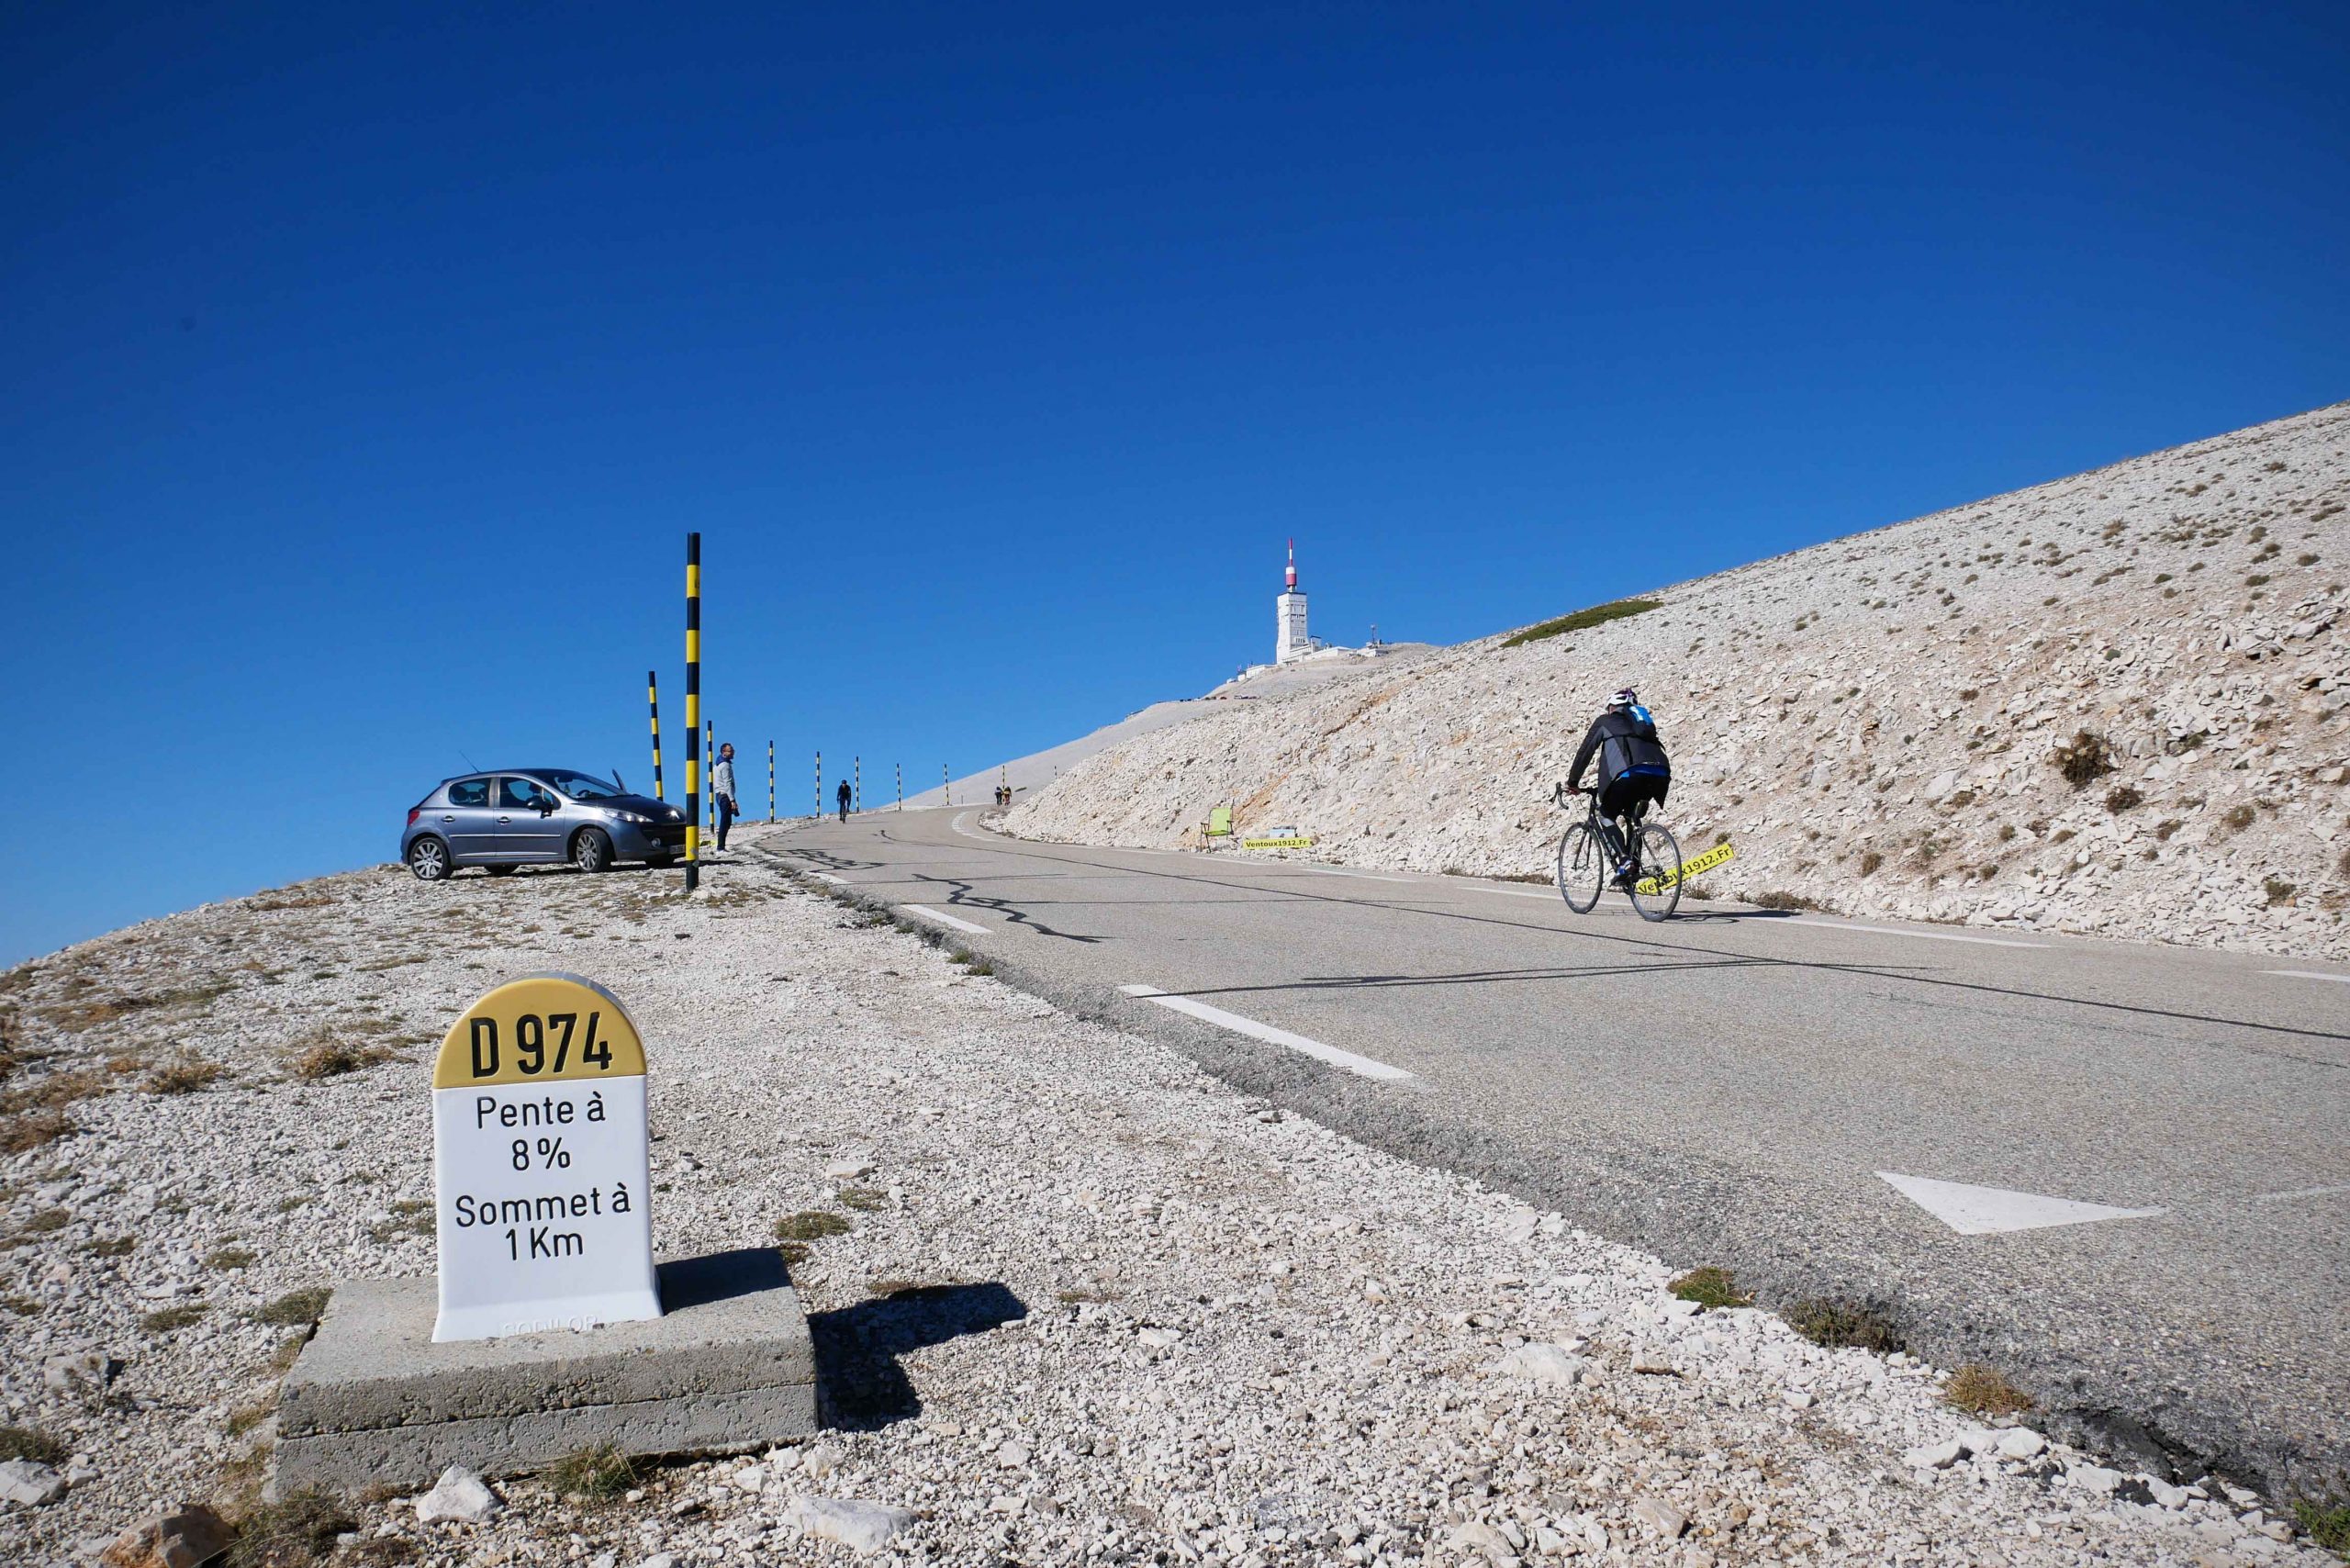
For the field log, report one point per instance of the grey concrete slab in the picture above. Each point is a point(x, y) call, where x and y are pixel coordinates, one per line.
point(373, 1399)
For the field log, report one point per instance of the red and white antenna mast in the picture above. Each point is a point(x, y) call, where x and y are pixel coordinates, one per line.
point(1293, 565)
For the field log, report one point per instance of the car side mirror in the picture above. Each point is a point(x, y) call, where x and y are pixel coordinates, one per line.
point(546, 808)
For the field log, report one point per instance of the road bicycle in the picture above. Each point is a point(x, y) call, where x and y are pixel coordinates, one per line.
point(1590, 850)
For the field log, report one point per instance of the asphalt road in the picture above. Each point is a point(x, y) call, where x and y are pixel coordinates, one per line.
point(1732, 1086)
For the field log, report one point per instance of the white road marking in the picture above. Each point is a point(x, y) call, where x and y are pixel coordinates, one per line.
point(1334, 871)
point(929, 914)
point(2303, 1192)
point(1270, 1036)
point(1522, 894)
point(966, 832)
point(1988, 1211)
point(828, 876)
point(2308, 974)
point(1919, 935)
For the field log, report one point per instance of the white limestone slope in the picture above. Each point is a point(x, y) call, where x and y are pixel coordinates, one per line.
point(1039, 769)
point(1873, 721)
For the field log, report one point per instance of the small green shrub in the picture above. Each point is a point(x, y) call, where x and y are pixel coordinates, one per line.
point(1869, 861)
point(30, 1131)
point(333, 1058)
point(1597, 615)
point(164, 1320)
point(598, 1474)
point(1710, 1286)
point(184, 1074)
point(809, 1225)
point(2123, 798)
point(23, 1442)
point(2327, 1524)
point(2238, 818)
point(1838, 1322)
point(296, 1309)
point(2087, 759)
point(296, 1531)
point(1982, 1391)
point(2279, 891)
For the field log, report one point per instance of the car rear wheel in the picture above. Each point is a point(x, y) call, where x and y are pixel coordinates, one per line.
point(591, 851)
point(429, 859)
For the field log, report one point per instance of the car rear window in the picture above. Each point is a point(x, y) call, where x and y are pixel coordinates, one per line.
point(469, 792)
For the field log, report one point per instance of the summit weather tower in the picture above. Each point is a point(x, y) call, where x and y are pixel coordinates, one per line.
point(1290, 640)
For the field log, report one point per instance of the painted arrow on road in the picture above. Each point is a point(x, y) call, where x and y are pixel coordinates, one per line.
point(1988, 1211)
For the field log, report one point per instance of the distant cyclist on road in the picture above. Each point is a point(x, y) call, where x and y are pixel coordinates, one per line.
point(1634, 772)
point(841, 795)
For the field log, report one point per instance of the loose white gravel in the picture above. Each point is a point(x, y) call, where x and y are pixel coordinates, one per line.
point(1094, 1306)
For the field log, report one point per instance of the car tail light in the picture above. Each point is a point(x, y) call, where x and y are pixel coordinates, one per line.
point(414, 813)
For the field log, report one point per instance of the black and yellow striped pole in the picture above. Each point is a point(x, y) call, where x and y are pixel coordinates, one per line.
point(900, 769)
point(819, 785)
point(856, 789)
point(693, 711)
point(946, 785)
point(770, 782)
point(653, 700)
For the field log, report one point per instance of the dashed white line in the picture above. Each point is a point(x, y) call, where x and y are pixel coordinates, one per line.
point(1270, 1036)
point(1919, 935)
point(2308, 974)
point(929, 914)
point(2301, 1192)
point(1520, 893)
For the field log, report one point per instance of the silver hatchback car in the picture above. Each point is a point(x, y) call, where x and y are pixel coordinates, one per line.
point(536, 816)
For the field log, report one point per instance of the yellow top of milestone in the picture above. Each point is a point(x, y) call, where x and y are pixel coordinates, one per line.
point(539, 1029)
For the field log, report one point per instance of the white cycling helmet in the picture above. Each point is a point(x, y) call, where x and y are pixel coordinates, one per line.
point(1627, 698)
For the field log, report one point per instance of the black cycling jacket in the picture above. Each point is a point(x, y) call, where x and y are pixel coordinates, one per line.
point(1615, 724)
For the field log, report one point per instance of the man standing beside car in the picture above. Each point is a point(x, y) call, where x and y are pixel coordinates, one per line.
point(722, 791)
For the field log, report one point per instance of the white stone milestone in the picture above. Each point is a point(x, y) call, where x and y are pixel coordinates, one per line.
point(540, 1166)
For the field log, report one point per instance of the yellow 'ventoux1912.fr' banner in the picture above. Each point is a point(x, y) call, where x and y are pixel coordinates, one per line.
point(1719, 854)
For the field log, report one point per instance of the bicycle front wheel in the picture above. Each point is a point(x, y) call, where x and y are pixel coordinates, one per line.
point(1656, 880)
point(1582, 867)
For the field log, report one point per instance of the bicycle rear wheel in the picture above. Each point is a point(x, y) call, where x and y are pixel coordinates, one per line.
point(1582, 867)
point(1659, 867)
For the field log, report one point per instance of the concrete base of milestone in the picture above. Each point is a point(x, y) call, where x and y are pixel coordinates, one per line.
point(373, 1401)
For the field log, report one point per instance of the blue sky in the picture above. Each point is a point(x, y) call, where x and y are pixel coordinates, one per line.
point(362, 368)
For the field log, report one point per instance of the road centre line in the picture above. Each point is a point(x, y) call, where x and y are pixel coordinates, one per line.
point(1919, 935)
point(929, 914)
point(2309, 974)
point(1270, 1036)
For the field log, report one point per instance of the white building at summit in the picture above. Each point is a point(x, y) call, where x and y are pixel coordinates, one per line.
point(1290, 639)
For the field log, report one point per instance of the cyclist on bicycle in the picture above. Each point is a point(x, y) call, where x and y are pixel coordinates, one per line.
point(1634, 772)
